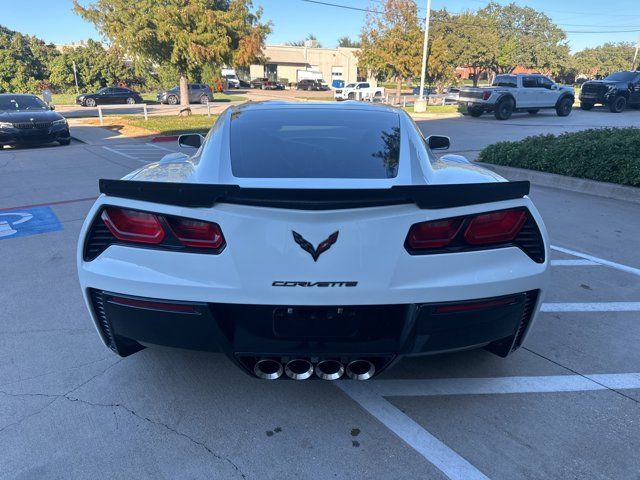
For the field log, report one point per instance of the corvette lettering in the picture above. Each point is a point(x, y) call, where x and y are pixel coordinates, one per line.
point(314, 284)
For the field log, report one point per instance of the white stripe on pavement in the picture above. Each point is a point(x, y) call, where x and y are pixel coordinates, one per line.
point(502, 385)
point(161, 148)
point(591, 307)
point(572, 263)
point(120, 153)
point(602, 261)
point(433, 450)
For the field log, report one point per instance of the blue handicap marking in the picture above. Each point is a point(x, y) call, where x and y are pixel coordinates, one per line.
point(28, 221)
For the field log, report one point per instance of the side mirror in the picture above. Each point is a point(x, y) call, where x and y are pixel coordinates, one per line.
point(52, 107)
point(190, 140)
point(554, 87)
point(438, 142)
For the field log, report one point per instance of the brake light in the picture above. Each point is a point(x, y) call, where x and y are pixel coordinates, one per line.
point(132, 225)
point(434, 234)
point(495, 227)
point(486, 94)
point(196, 233)
point(135, 302)
point(468, 307)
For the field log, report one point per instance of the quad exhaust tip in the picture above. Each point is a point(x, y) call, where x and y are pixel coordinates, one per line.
point(360, 370)
point(268, 369)
point(299, 369)
point(329, 369)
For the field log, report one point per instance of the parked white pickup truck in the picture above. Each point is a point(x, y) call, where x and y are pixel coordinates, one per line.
point(516, 93)
point(358, 91)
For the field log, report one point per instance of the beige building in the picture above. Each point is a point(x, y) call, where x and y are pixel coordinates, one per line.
point(286, 62)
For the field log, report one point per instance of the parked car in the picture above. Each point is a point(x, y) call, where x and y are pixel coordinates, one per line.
point(312, 84)
point(27, 120)
point(266, 84)
point(390, 254)
point(617, 91)
point(232, 80)
point(353, 91)
point(198, 93)
point(109, 95)
point(516, 93)
point(450, 94)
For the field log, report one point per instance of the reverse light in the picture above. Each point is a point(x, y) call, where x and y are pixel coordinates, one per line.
point(434, 234)
point(132, 225)
point(495, 227)
point(196, 233)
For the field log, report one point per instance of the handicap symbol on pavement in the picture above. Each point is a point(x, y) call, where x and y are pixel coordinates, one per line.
point(28, 221)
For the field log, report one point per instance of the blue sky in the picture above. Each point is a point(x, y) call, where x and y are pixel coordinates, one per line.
point(54, 20)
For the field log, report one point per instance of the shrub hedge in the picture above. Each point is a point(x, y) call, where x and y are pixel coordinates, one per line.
point(607, 154)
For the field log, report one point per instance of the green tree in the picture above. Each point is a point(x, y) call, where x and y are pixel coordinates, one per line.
point(392, 41)
point(24, 62)
point(347, 42)
point(96, 67)
point(526, 37)
point(604, 59)
point(184, 34)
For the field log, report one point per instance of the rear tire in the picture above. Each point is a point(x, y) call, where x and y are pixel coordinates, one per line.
point(586, 105)
point(351, 96)
point(204, 99)
point(504, 109)
point(475, 112)
point(564, 107)
point(533, 111)
point(64, 142)
point(618, 105)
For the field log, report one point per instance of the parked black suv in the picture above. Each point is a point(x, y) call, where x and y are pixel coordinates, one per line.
point(312, 84)
point(617, 91)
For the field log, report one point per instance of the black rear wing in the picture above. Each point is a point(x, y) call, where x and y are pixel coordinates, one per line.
point(206, 195)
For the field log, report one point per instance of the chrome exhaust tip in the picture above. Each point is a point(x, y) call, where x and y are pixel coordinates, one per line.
point(267, 369)
point(360, 369)
point(329, 369)
point(298, 369)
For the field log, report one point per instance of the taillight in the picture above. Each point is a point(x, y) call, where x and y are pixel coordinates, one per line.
point(438, 233)
point(460, 233)
point(132, 225)
point(486, 94)
point(195, 233)
point(495, 227)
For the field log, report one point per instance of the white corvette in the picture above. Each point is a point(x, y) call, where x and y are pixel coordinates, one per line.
point(313, 239)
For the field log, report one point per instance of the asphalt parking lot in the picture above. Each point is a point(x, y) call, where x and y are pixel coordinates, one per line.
point(567, 405)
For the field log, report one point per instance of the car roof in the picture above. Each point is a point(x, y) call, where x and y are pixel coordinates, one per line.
point(282, 104)
point(18, 95)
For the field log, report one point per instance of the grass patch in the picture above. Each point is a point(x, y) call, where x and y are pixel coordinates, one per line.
point(607, 155)
point(170, 124)
point(436, 109)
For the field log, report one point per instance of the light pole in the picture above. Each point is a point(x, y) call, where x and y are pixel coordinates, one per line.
point(421, 104)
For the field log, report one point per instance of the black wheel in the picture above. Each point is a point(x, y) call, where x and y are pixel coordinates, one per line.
point(204, 99)
point(130, 100)
point(475, 112)
point(504, 109)
point(64, 142)
point(533, 111)
point(618, 105)
point(586, 105)
point(172, 100)
point(351, 96)
point(564, 107)
point(90, 102)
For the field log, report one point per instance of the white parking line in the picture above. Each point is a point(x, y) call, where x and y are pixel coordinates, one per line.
point(572, 263)
point(117, 152)
point(160, 148)
point(433, 450)
point(601, 261)
point(591, 307)
point(501, 385)
point(370, 396)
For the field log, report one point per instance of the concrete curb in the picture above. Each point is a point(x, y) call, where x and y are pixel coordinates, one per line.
point(581, 185)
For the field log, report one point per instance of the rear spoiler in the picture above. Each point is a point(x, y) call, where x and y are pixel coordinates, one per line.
point(206, 195)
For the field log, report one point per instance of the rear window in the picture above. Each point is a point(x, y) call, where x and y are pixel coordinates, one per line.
point(505, 81)
point(329, 143)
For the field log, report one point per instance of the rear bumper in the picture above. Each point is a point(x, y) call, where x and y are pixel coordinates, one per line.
point(246, 333)
point(465, 105)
